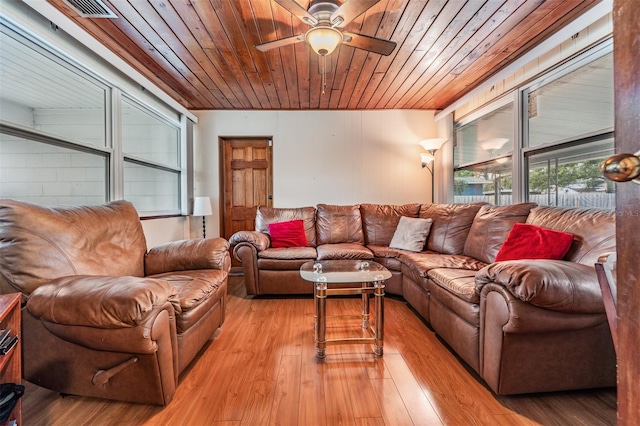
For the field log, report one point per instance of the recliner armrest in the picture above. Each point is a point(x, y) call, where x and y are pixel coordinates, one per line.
point(259, 240)
point(185, 255)
point(101, 302)
point(552, 284)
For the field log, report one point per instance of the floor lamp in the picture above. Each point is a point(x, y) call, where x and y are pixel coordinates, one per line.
point(202, 207)
point(431, 145)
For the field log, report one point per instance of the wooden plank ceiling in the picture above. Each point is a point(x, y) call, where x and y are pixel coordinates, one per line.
point(201, 52)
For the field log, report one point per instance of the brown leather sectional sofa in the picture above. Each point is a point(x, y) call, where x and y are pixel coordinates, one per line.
point(523, 325)
point(102, 316)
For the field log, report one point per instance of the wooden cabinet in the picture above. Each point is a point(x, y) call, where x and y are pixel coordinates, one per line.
point(11, 363)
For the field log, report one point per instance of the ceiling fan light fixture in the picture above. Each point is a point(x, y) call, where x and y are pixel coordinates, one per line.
point(323, 40)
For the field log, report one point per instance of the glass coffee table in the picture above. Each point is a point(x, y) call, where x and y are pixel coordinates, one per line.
point(369, 274)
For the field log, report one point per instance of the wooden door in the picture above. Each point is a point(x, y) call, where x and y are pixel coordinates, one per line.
point(247, 182)
point(626, 67)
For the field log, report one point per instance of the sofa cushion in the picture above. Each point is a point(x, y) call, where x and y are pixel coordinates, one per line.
point(267, 215)
point(594, 230)
point(343, 251)
point(379, 221)
point(339, 224)
point(193, 289)
point(451, 224)
point(283, 265)
point(288, 253)
point(288, 234)
point(460, 282)
point(490, 228)
point(384, 251)
point(423, 262)
point(533, 242)
point(411, 234)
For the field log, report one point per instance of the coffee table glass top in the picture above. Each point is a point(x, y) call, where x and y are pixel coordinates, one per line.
point(344, 271)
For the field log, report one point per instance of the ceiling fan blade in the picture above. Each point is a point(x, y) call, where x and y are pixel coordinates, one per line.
point(298, 11)
point(372, 44)
point(263, 47)
point(350, 10)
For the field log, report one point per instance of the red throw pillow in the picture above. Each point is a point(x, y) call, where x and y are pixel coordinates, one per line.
point(533, 242)
point(288, 234)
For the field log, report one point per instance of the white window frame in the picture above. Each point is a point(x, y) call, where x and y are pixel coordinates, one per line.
point(113, 134)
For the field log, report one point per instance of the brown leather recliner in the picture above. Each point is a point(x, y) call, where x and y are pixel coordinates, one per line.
point(102, 316)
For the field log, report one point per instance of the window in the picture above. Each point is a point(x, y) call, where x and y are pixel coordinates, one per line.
point(146, 136)
point(570, 176)
point(53, 136)
point(565, 131)
point(68, 136)
point(44, 173)
point(576, 104)
point(490, 182)
point(150, 145)
point(484, 138)
point(482, 157)
point(47, 95)
point(570, 133)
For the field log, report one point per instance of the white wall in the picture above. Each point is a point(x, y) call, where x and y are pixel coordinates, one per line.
point(333, 157)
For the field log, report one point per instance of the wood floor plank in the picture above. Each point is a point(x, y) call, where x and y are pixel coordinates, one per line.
point(258, 405)
point(337, 395)
point(287, 394)
point(261, 369)
point(394, 411)
point(312, 405)
point(416, 402)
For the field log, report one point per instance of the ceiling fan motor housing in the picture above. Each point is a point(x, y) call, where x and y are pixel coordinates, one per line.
point(322, 10)
point(326, 18)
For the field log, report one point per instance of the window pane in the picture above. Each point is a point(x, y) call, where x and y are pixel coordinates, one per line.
point(146, 137)
point(490, 182)
point(571, 176)
point(488, 137)
point(152, 190)
point(41, 94)
point(579, 103)
point(50, 175)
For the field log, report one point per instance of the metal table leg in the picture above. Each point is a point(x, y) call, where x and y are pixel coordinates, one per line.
point(379, 323)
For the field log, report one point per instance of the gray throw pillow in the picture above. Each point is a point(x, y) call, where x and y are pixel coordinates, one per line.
point(411, 234)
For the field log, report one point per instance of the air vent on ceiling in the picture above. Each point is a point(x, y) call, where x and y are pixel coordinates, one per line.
point(91, 8)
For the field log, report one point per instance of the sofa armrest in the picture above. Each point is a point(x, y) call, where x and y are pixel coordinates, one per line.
point(551, 284)
point(259, 240)
point(512, 315)
point(185, 255)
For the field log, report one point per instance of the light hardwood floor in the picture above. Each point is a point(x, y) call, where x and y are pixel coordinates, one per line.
point(261, 369)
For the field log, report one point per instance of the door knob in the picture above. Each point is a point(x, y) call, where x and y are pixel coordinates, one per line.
point(622, 168)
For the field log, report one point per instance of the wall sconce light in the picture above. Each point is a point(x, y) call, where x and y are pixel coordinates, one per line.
point(202, 207)
point(431, 145)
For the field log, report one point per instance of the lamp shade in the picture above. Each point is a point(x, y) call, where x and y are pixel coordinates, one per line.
point(426, 158)
point(202, 206)
point(433, 144)
point(323, 40)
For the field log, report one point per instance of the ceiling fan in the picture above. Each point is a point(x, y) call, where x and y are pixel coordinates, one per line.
point(325, 17)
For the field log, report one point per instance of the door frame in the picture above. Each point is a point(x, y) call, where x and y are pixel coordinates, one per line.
point(626, 54)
